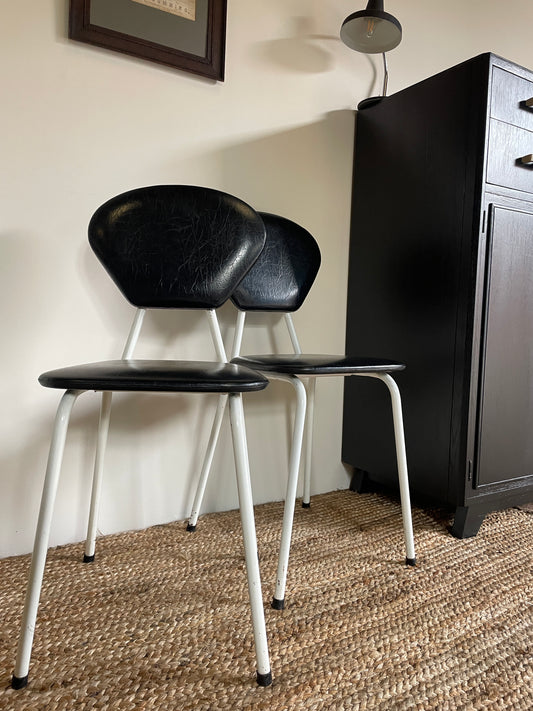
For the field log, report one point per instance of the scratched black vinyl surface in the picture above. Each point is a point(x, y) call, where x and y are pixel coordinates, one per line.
point(155, 376)
point(177, 246)
point(170, 246)
point(280, 280)
point(285, 270)
point(318, 364)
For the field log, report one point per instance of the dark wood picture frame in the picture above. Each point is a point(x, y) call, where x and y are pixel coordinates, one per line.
point(211, 65)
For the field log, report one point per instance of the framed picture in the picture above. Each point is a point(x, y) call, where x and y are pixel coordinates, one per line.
point(186, 34)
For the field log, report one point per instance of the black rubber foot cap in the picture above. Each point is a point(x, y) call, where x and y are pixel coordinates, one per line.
point(191, 528)
point(18, 682)
point(264, 679)
point(88, 558)
point(277, 604)
point(306, 506)
point(410, 561)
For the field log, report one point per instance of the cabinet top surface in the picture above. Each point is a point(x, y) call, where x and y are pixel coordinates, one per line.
point(483, 62)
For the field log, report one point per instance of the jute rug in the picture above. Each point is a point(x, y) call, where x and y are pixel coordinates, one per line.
point(161, 620)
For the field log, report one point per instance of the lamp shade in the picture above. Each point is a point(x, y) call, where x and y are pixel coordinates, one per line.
point(371, 31)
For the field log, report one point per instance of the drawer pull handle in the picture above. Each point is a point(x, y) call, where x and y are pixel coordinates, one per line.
point(529, 102)
point(526, 160)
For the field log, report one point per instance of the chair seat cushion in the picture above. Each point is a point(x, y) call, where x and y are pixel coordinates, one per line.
point(155, 376)
point(306, 364)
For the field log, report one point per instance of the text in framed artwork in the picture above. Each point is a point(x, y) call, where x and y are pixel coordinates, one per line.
point(182, 8)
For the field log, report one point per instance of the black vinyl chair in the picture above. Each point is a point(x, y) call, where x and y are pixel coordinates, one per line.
point(279, 282)
point(173, 247)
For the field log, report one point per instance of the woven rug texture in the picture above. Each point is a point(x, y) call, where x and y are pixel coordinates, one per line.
point(161, 619)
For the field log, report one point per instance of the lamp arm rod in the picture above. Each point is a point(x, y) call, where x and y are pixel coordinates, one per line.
point(385, 75)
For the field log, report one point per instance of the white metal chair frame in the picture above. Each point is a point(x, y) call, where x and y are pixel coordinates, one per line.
point(238, 429)
point(105, 414)
point(305, 399)
point(303, 422)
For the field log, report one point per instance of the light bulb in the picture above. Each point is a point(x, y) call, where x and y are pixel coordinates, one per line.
point(370, 26)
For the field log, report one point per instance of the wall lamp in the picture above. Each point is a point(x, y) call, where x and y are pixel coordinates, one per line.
point(372, 31)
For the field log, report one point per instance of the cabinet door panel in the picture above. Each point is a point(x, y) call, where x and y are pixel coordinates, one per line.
point(505, 436)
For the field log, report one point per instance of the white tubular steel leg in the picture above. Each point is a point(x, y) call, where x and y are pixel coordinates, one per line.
point(401, 456)
point(311, 384)
point(103, 429)
point(309, 425)
point(101, 442)
point(216, 335)
point(219, 414)
point(208, 461)
point(278, 601)
point(135, 332)
point(42, 535)
point(292, 334)
point(237, 336)
point(264, 675)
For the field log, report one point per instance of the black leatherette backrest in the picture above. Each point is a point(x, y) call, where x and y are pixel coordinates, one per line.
point(281, 277)
point(176, 246)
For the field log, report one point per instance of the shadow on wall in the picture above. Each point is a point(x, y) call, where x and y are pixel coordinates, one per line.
point(301, 50)
point(307, 52)
point(303, 173)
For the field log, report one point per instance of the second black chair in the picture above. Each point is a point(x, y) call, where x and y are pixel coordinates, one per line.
point(281, 278)
point(279, 282)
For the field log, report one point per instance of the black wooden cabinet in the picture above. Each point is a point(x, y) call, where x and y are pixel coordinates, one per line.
point(441, 277)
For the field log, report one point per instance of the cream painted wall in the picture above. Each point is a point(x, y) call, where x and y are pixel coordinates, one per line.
point(78, 125)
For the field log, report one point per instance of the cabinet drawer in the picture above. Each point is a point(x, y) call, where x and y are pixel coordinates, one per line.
point(508, 98)
point(507, 145)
